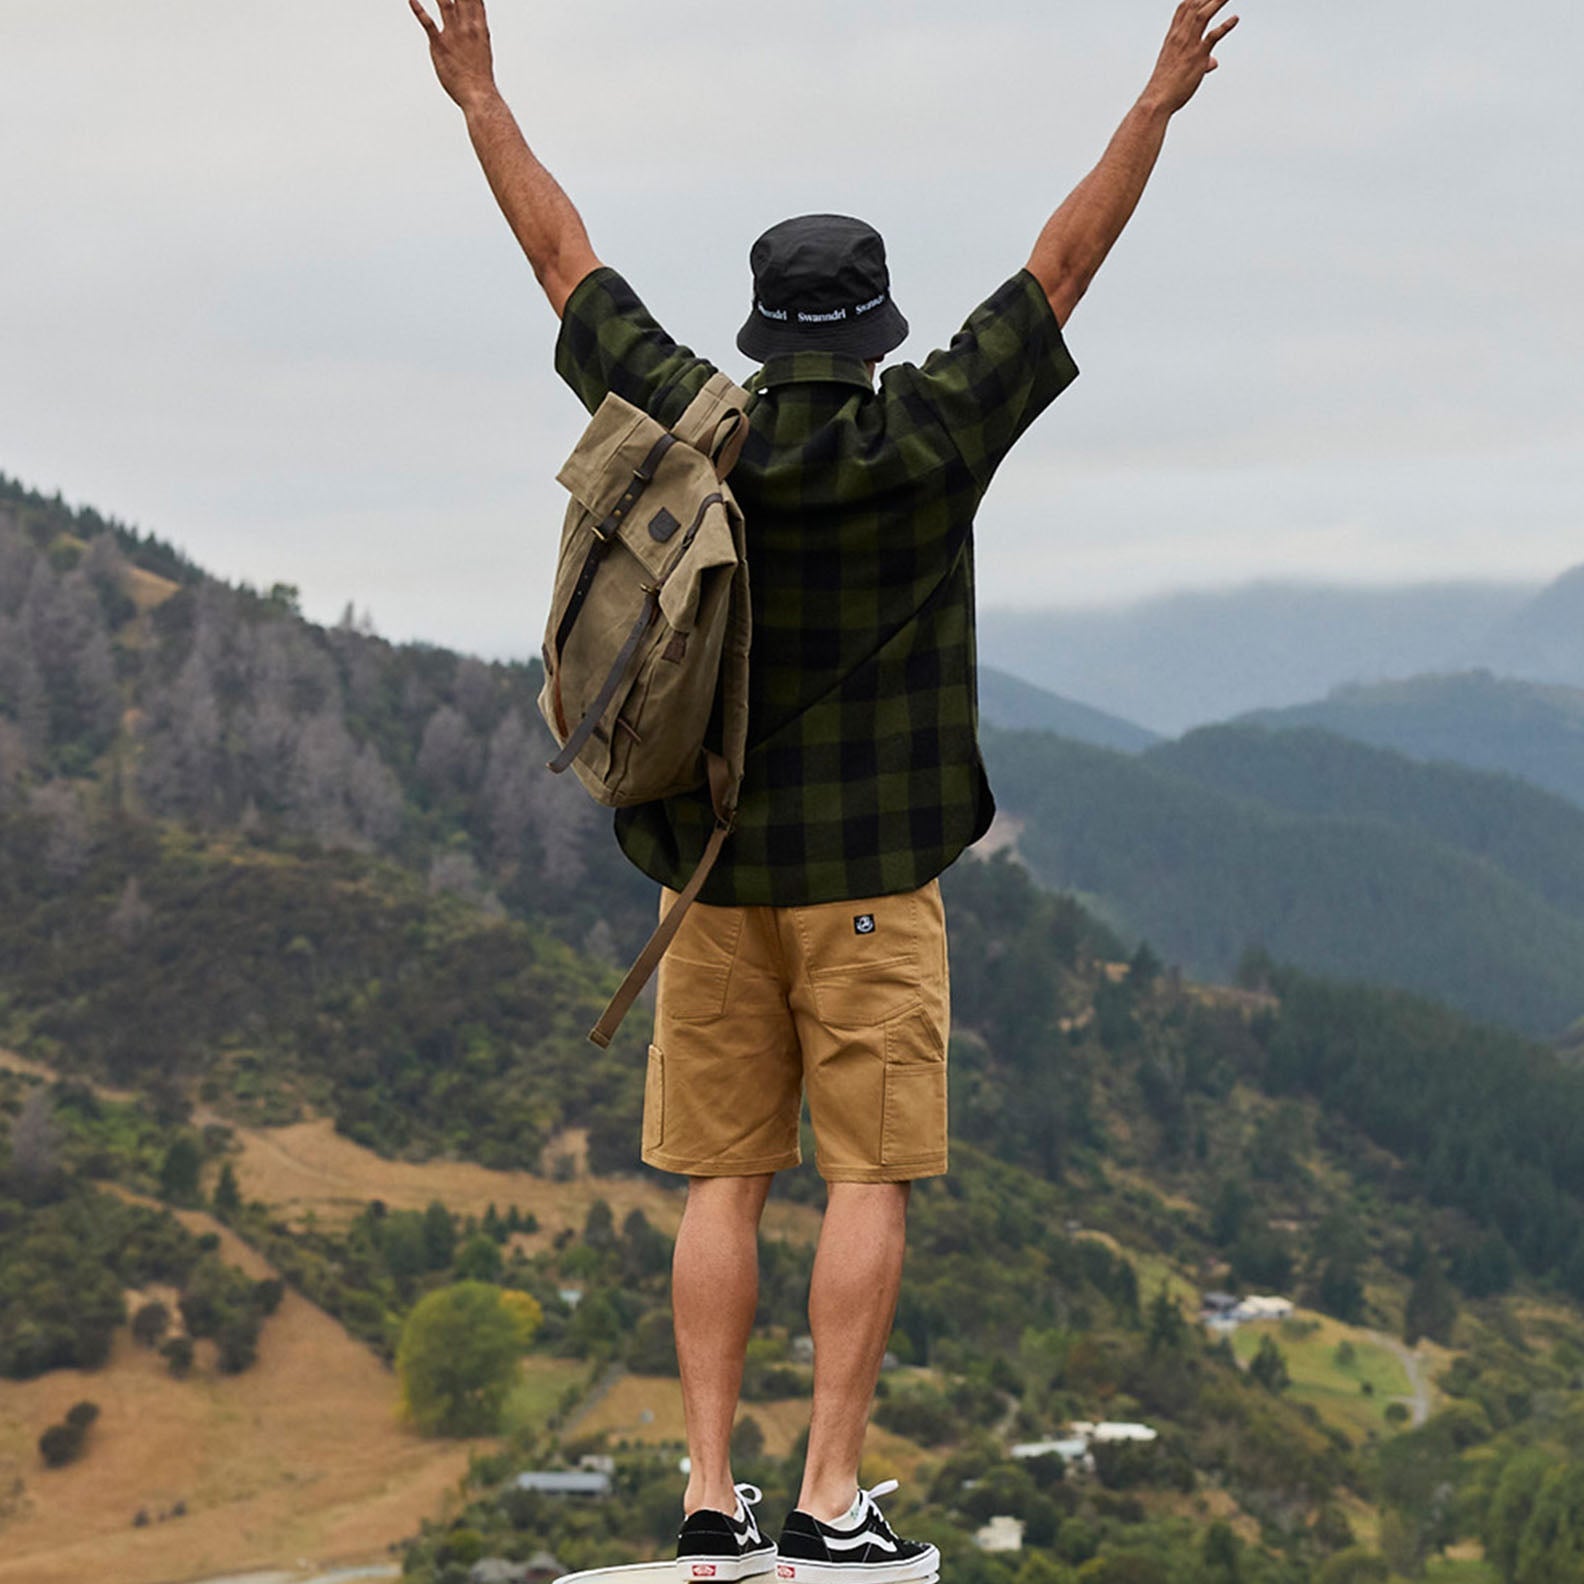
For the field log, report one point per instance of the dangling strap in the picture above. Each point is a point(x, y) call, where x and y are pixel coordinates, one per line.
point(617, 680)
point(721, 791)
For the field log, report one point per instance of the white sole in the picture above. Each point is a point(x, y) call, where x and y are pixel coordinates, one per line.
point(723, 1570)
point(628, 1573)
point(726, 1570)
point(922, 1569)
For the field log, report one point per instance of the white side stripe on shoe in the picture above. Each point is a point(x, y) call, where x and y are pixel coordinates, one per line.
point(853, 1542)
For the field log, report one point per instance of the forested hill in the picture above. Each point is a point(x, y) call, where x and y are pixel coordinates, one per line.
point(1534, 837)
point(1207, 871)
point(1471, 718)
point(130, 679)
point(283, 870)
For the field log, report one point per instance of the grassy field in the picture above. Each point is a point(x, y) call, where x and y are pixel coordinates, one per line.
point(646, 1410)
point(545, 1381)
point(1460, 1570)
point(1335, 1388)
point(309, 1167)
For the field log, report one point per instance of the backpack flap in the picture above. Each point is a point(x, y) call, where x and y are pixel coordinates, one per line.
point(625, 453)
point(711, 547)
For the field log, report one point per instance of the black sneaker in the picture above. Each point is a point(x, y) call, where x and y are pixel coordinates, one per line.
point(713, 1546)
point(854, 1550)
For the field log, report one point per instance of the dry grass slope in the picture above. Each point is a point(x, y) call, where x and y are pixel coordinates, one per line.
point(310, 1167)
point(301, 1456)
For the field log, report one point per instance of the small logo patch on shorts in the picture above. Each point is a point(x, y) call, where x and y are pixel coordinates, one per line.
point(864, 924)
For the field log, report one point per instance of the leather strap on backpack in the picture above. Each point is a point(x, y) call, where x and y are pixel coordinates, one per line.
point(649, 958)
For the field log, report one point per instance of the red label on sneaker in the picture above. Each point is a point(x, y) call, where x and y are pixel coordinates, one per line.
point(703, 1570)
point(784, 1570)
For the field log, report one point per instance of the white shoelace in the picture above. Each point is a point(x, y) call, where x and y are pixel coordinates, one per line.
point(865, 1502)
point(750, 1496)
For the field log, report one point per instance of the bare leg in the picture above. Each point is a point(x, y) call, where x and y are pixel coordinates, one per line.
point(714, 1292)
point(852, 1302)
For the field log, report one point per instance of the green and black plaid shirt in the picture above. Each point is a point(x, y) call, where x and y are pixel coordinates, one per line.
point(863, 774)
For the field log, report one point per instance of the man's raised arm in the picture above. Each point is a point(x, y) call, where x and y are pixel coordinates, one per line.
point(540, 214)
point(1078, 236)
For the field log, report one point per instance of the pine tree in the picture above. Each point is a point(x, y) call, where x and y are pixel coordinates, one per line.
point(1269, 1367)
point(227, 1196)
point(1432, 1305)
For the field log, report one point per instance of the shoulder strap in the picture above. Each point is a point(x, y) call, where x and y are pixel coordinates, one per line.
point(715, 422)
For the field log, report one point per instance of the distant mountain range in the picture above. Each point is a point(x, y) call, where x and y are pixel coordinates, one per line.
point(1009, 701)
point(1528, 729)
point(1343, 858)
point(1186, 660)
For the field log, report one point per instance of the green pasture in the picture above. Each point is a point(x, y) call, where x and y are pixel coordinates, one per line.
point(1335, 1387)
point(1443, 1570)
point(533, 1401)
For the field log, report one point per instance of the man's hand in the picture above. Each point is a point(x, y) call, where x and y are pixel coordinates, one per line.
point(460, 49)
point(541, 216)
point(1186, 58)
point(1077, 238)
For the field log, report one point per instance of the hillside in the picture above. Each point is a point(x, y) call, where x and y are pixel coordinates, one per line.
point(1010, 702)
point(1470, 718)
point(1544, 639)
point(1206, 875)
point(1533, 837)
point(292, 934)
point(324, 1468)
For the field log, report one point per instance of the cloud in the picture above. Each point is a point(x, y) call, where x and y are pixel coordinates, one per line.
point(259, 299)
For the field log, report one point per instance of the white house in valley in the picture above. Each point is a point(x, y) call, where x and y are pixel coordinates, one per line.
point(1002, 1533)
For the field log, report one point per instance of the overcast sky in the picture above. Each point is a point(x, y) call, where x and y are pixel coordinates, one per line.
point(257, 298)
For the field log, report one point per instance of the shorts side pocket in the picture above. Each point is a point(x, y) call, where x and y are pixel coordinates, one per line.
point(654, 1101)
point(914, 1124)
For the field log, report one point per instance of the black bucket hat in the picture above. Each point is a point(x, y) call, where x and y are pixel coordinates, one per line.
point(821, 285)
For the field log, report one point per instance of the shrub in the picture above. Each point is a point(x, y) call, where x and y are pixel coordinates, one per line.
point(62, 1444)
point(652, 1350)
point(150, 1323)
point(267, 1294)
point(178, 1356)
point(82, 1415)
point(922, 1415)
point(238, 1341)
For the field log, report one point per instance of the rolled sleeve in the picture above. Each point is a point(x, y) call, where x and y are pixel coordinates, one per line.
point(1005, 366)
point(610, 342)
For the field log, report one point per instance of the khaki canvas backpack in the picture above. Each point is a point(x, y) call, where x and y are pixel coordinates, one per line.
point(646, 649)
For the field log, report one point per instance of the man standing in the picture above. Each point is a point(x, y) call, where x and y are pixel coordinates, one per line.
point(815, 962)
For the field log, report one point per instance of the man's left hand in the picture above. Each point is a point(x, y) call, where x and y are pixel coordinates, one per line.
point(459, 46)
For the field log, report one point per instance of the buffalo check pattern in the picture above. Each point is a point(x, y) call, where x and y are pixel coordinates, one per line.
point(863, 774)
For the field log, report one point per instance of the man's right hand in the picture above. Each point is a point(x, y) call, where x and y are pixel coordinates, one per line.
point(1186, 58)
point(459, 46)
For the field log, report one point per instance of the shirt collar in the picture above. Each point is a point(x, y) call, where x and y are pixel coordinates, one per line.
point(795, 368)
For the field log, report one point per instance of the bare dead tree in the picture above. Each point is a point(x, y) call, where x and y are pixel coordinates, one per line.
point(131, 914)
point(473, 691)
point(36, 1146)
point(449, 753)
point(68, 840)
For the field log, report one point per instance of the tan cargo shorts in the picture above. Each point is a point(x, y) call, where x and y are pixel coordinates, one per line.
point(848, 1001)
